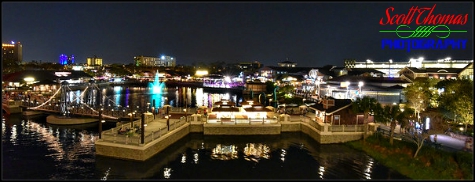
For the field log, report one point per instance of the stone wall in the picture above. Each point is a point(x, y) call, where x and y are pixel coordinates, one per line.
point(330, 137)
point(290, 126)
point(196, 126)
point(144, 152)
point(217, 129)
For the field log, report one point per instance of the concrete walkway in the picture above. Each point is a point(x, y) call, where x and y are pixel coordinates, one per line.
point(445, 141)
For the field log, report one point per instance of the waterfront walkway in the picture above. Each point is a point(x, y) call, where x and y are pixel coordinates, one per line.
point(444, 141)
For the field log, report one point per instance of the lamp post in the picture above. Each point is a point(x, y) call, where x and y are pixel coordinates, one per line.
point(131, 120)
point(347, 89)
point(390, 62)
point(100, 123)
point(318, 87)
point(186, 118)
point(360, 84)
point(148, 105)
point(168, 122)
point(142, 129)
point(153, 112)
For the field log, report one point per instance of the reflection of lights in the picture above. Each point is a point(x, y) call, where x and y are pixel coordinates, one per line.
point(195, 158)
point(321, 170)
point(106, 175)
point(3, 126)
point(282, 155)
point(224, 152)
point(369, 168)
point(14, 134)
point(254, 152)
point(167, 172)
point(54, 143)
point(202, 145)
point(183, 158)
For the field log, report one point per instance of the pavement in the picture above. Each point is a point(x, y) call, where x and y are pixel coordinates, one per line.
point(443, 140)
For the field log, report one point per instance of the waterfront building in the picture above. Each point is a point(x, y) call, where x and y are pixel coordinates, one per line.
point(43, 80)
point(411, 73)
point(391, 69)
point(12, 51)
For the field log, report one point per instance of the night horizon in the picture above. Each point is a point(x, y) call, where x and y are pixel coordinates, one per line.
point(311, 34)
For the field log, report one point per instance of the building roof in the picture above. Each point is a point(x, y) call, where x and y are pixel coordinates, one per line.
point(224, 109)
point(368, 79)
point(435, 70)
point(257, 109)
point(42, 75)
point(339, 104)
point(37, 74)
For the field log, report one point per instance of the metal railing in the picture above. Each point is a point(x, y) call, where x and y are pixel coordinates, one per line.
point(133, 137)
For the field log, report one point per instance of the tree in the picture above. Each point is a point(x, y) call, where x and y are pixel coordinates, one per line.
point(418, 95)
point(388, 113)
point(457, 98)
point(404, 118)
point(364, 105)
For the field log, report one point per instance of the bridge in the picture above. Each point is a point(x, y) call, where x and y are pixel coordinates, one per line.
point(87, 104)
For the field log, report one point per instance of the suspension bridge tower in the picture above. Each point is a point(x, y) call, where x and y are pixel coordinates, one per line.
point(92, 94)
point(65, 101)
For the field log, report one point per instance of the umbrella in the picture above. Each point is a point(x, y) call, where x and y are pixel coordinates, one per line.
point(271, 108)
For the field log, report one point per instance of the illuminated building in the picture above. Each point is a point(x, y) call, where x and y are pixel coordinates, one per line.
point(94, 61)
point(163, 61)
point(12, 51)
point(391, 68)
point(66, 60)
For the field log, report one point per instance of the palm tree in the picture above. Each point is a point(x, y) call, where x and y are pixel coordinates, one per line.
point(364, 105)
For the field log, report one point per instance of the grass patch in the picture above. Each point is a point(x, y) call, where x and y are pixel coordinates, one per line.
point(430, 163)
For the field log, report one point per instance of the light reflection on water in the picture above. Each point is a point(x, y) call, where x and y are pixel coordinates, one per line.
point(41, 151)
point(33, 149)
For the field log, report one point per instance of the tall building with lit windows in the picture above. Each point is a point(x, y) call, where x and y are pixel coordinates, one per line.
point(94, 61)
point(163, 61)
point(12, 52)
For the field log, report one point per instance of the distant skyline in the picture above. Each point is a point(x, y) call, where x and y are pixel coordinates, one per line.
point(308, 33)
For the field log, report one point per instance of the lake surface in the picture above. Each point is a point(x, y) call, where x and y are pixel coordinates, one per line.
point(35, 150)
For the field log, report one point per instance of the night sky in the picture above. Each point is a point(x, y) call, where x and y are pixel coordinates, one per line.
point(311, 34)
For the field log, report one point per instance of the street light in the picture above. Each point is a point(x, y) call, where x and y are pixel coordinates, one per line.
point(360, 84)
point(168, 121)
point(318, 87)
point(390, 62)
point(186, 118)
point(347, 89)
point(148, 105)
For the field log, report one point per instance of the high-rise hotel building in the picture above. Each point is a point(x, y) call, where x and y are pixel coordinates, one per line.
point(12, 52)
point(94, 61)
point(163, 61)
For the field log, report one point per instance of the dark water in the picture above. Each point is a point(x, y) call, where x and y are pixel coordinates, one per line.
point(35, 150)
